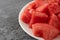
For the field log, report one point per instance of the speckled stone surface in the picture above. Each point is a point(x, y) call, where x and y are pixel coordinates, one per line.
point(9, 27)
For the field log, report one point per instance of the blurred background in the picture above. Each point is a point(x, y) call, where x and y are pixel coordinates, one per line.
point(9, 27)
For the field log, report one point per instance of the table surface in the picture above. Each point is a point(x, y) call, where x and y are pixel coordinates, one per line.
point(9, 26)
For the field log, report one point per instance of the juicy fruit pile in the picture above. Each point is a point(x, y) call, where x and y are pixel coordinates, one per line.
point(43, 17)
point(45, 30)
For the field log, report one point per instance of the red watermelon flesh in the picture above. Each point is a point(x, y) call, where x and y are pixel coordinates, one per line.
point(53, 1)
point(32, 5)
point(43, 8)
point(54, 8)
point(26, 16)
point(40, 2)
point(54, 21)
point(59, 2)
point(31, 11)
point(46, 31)
point(59, 17)
point(38, 17)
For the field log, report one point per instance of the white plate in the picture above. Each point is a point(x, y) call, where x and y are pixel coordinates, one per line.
point(26, 28)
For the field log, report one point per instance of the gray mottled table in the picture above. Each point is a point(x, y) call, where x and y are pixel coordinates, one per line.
point(9, 27)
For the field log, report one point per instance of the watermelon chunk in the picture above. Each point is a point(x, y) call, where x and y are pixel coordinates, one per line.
point(26, 16)
point(43, 8)
point(40, 2)
point(32, 5)
point(38, 17)
point(54, 21)
point(54, 8)
point(46, 31)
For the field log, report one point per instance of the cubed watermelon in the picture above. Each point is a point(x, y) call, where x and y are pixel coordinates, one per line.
point(26, 16)
point(32, 5)
point(43, 8)
point(46, 31)
point(38, 17)
point(54, 21)
point(40, 2)
point(54, 8)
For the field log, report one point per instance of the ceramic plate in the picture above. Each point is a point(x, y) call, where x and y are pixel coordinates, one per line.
point(25, 27)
